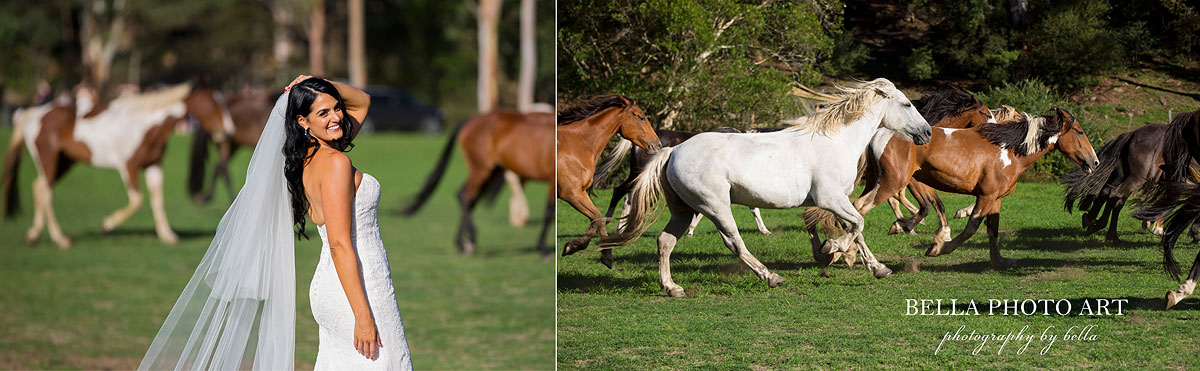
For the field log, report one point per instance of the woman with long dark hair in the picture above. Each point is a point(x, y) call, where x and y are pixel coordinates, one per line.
point(238, 311)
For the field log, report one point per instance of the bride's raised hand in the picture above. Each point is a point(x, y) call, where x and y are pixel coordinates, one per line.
point(296, 81)
point(366, 338)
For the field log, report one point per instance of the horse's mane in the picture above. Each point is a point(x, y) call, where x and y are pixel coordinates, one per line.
point(852, 102)
point(951, 100)
point(590, 107)
point(152, 101)
point(1026, 136)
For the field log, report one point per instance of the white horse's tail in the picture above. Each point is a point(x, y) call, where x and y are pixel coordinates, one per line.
point(644, 200)
point(12, 162)
point(606, 167)
point(815, 216)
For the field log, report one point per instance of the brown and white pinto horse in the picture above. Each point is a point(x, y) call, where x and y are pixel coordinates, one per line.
point(984, 161)
point(583, 131)
point(129, 134)
point(244, 114)
point(492, 143)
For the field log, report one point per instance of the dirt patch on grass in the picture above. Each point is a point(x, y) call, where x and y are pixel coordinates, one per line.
point(1061, 274)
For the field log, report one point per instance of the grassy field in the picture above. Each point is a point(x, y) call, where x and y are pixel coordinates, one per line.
point(619, 319)
point(98, 305)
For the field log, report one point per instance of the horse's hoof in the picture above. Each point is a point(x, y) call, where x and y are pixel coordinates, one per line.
point(882, 271)
point(31, 239)
point(896, 228)
point(170, 239)
point(1174, 298)
point(63, 244)
point(674, 291)
point(962, 214)
point(607, 260)
point(825, 273)
point(467, 248)
point(935, 250)
point(1003, 263)
point(775, 280)
point(570, 248)
point(765, 232)
point(1113, 241)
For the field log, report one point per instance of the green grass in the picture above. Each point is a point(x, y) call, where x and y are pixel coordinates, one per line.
point(100, 303)
point(619, 319)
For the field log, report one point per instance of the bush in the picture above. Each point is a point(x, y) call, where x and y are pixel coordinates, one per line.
point(920, 64)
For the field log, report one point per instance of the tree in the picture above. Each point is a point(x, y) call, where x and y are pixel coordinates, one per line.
point(316, 39)
point(358, 59)
point(488, 17)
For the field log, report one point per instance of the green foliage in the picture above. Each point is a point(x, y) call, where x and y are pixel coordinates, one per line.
point(968, 38)
point(1073, 42)
point(699, 65)
point(847, 57)
point(920, 64)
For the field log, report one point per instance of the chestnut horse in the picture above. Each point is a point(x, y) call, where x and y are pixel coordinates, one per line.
point(244, 116)
point(984, 161)
point(491, 143)
point(128, 134)
point(583, 131)
point(1173, 195)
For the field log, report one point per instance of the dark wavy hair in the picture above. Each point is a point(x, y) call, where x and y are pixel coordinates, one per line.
point(298, 148)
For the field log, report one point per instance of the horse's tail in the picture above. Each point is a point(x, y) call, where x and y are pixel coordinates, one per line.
point(1089, 187)
point(1187, 198)
point(606, 167)
point(199, 160)
point(1156, 199)
point(12, 164)
point(435, 177)
point(815, 216)
point(644, 198)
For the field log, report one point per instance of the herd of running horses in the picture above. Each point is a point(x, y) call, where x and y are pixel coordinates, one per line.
point(866, 134)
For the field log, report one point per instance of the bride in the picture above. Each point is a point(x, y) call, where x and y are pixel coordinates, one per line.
point(239, 309)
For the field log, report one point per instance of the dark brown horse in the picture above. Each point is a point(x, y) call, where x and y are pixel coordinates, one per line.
point(245, 115)
point(583, 131)
point(1173, 196)
point(491, 143)
point(128, 134)
point(984, 161)
point(1127, 164)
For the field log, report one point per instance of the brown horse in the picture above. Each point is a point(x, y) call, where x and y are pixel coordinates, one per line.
point(1173, 195)
point(583, 131)
point(1127, 164)
point(984, 161)
point(492, 143)
point(128, 134)
point(244, 116)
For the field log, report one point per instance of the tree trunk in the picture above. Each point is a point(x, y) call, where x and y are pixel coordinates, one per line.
point(357, 56)
point(528, 57)
point(488, 16)
point(283, 12)
point(98, 50)
point(316, 39)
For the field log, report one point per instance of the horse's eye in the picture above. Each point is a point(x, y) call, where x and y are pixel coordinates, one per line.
point(906, 104)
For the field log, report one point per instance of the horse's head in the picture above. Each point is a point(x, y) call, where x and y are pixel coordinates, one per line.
point(1072, 141)
point(636, 128)
point(900, 116)
point(208, 109)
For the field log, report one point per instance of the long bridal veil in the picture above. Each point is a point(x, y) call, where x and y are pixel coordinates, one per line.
point(239, 309)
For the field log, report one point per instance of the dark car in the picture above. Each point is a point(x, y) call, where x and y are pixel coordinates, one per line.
point(392, 109)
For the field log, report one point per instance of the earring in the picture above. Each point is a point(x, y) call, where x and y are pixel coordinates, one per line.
point(307, 134)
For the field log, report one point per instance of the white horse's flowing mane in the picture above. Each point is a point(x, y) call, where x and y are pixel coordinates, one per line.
point(854, 100)
point(1032, 133)
point(152, 101)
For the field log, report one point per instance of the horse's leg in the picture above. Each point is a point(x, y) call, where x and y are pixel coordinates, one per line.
point(666, 242)
point(154, 184)
point(619, 194)
point(39, 213)
point(943, 232)
point(1188, 286)
point(1102, 221)
point(579, 199)
point(692, 225)
point(945, 247)
point(224, 168)
point(547, 218)
point(849, 215)
point(722, 216)
point(993, 232)
point(518, 207)
point(467, 197)
point(762, 228)
point(44, 195)
point(1114, 211)
point(129, 178)
point(922, 193)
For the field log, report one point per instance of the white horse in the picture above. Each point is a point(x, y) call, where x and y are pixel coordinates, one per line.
point(813, 163)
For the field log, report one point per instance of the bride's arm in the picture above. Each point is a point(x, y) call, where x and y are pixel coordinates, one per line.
point(337, 192)
point(357, 102)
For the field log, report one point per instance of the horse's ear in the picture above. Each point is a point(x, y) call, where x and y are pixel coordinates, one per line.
point(881, 92)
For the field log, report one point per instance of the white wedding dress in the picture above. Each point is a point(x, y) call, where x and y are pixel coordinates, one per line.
point(331, 309)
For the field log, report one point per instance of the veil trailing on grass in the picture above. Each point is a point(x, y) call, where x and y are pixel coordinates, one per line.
point(239, 309)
